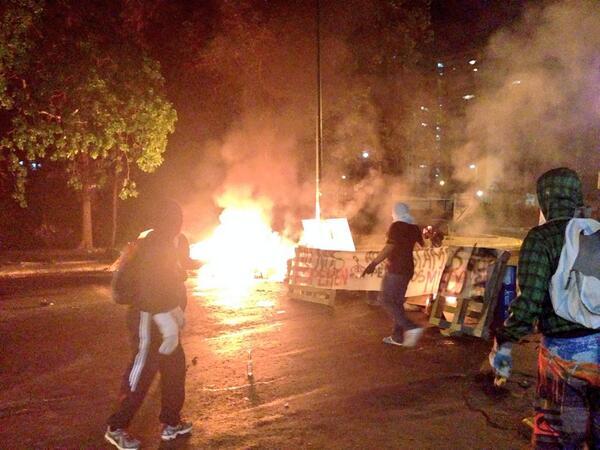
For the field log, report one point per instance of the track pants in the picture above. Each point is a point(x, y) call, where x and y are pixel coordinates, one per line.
point(146, 361)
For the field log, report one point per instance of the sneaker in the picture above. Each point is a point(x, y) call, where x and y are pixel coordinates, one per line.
point(170, 432)
point(121, 439)
point(390, 340)
point(411, 337)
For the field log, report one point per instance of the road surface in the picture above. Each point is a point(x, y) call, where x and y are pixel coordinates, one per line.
point(322, 377)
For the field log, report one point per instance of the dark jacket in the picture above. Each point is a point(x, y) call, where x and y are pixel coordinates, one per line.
point(161, 278)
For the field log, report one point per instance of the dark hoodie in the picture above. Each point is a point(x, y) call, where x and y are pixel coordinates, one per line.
point(560, 196)
point(161, 277)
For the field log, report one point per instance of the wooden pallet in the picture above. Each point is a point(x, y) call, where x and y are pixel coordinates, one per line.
point(312, 294)
point(471, 316)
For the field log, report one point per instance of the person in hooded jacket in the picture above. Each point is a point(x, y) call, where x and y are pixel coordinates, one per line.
point(155, 320)
point(567, 407)
point(402, 236)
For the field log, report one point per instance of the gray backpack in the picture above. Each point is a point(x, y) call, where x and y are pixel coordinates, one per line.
point(575, 286)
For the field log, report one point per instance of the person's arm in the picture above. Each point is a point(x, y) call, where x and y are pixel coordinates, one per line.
point(381, 256)
point(419, 241)
point(534, 273)
point(183, 250)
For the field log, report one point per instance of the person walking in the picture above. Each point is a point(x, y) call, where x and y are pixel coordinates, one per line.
point(154, 319)
point(567, 403)
point(402, 236)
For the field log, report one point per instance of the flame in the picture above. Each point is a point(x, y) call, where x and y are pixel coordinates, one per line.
point(240, 252)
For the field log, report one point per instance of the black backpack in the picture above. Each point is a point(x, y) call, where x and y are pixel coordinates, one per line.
point(126, 276)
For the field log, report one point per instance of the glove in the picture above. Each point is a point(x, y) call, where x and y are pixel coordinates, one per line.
point(179, 317)
point(169, 329)
point(369, 269)
point(501, 359)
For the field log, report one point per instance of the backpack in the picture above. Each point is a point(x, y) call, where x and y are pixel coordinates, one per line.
point(575, 286)
point(125, 280)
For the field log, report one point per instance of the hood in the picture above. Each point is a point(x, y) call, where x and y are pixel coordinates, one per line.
point(559, 193)
point(401, 213)
point(167, 218)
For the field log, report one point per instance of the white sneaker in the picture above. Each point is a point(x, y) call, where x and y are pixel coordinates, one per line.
point(390, 340)
point(411, 337)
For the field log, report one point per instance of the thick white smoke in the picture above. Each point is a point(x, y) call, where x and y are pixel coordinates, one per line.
point(539, 105)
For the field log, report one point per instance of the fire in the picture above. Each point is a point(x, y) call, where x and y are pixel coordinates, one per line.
point(241, 251)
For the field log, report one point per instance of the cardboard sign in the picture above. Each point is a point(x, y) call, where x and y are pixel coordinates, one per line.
point(339, 270)
point(327, 234)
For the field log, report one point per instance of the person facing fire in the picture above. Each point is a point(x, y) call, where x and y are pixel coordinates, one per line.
point(402, 236)
point(567, 405)
point(155, 319)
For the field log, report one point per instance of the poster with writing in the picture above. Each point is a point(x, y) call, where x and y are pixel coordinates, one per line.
point(455, 273)
point(341, 270)
point(467, 271)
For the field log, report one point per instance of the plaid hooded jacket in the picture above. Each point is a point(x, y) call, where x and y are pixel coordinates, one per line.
point(559, 194)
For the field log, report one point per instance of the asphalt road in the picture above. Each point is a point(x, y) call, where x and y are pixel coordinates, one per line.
point(322, 377)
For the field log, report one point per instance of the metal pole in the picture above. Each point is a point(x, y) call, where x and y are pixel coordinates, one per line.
point(319, 131)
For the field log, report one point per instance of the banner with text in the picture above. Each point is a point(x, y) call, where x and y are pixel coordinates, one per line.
point(340, 270)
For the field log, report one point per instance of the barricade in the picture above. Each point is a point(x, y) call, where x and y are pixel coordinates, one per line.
point(464, 281)
point(317, 275)
point(468, 292)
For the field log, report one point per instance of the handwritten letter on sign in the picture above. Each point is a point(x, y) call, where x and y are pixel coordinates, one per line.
point(341, 270)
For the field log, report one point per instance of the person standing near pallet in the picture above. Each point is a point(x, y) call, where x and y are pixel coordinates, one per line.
point(402, 236)
point(567, 405)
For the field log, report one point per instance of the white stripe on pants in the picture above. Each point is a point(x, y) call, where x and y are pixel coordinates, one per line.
point(144, 345)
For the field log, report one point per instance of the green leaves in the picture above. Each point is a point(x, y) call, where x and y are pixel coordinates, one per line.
point(88, 96)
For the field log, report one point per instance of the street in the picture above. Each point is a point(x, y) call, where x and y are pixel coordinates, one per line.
point(322, 377)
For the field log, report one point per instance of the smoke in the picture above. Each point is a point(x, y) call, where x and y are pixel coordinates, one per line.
point(261, 118)
point(539, 103)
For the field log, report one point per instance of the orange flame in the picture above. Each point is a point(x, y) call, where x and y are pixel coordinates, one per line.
point(241, 251)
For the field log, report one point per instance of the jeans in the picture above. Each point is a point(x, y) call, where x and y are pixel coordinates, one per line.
point(393, 288)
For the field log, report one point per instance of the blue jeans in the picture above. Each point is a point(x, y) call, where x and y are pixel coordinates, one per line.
point(393, 288)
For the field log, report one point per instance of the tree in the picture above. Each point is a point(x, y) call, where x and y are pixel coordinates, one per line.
point(90, 99)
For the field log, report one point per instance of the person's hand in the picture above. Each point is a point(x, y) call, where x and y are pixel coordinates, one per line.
point(179, 317)
point(501, 359)
point(369, 269)
point(169, 329)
